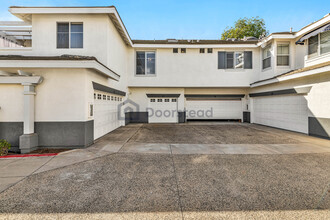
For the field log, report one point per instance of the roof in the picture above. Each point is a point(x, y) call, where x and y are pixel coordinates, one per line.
point(25, 13)
point(284, 32)
point(201, 42)
point(315, 21)
point(295, 71)
point(63, 57)
point(111, 6)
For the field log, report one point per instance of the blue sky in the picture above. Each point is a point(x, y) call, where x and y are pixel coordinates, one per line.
point(193, 19)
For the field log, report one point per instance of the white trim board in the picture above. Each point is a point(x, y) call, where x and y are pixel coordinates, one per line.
point(74, 64)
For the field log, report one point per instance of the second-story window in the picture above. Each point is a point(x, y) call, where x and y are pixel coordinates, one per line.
point(69, 35)
point(235, 60)
point(283, 55)
point(145, 63)
point(319, 44)
point(266, 57)
point(313, 44)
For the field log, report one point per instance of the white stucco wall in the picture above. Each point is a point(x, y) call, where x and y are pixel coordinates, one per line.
point(192, 69)
point(318, 97)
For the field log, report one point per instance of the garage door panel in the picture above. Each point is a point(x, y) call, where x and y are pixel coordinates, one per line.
point(163, 110)
point(221, 109)
point(105, 114)
point(286, 112)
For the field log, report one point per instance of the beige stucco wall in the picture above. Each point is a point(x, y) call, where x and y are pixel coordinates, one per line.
point(11, 103)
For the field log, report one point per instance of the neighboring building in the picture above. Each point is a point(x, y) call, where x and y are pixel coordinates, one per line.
point(78, 69)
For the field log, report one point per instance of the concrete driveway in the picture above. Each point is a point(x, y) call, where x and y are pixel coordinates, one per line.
point(134, 172)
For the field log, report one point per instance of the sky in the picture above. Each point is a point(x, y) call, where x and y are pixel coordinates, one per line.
point(193, 19)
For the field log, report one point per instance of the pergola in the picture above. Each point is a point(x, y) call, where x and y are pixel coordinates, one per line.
point(16, 31)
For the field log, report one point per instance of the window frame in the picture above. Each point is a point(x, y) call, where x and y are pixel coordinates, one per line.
point(183, 50)
point(145, 60)
point(268, 57)
point(283, 55)
point(318, 52)
point(234, 60)
point(69, 23)
point(209, 50)
point(175, 50)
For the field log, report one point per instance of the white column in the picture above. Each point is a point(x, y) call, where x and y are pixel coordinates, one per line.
point(29, 94)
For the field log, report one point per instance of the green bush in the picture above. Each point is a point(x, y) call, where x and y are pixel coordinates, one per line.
point(4, 147)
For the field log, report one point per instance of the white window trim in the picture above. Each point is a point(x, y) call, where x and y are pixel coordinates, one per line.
point(145, 75)
point(69, 22)
point(318, 53)
point(263, 58)
point(234, 63)
point(277, 55)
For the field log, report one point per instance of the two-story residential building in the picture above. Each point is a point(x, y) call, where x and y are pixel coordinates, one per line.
point(76, 75)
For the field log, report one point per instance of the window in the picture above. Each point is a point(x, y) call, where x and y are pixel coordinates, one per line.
point(173, 100)
point(167, 100)
point(283, 56)
point(62, 35)
point(104, 97)
point(91, 110)
point(94, 95)
point(209, 50)
point(99, 96)
point(159, 100)
point(325, 42)
point(111, 98)
point(313, 44)
point(175, 50)
point(201, 50)
point(69, 35)
point(235, 60)
point(145, 63)
point(183, 50)
point(108, 97)
point(239, 60)
point(76, 35)
point(152, 100)
point(266, 57)
point(115, 98)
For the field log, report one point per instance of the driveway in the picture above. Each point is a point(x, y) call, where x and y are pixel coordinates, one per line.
point(130, 173)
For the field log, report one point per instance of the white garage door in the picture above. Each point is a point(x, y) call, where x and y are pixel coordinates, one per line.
point(214, 109)
point(105, 113)
point(163, 110)
point(286, 112)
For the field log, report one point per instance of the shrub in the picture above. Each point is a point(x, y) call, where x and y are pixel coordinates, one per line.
point(4, 147)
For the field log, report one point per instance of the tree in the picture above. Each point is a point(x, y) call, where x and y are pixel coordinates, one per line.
point(246, 27)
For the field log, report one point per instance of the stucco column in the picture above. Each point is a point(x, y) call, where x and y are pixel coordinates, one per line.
point(29, 93)
point(29, 140)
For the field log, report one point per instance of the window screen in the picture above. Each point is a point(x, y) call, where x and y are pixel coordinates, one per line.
point(62, 35)
point(76, 35)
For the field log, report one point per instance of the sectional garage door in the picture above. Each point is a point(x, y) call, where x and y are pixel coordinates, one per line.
point(287, 112)
point(163, 110)
point(221, 109)
point(105, 113)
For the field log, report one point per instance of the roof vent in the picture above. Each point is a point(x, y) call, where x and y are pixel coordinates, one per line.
point(250, 38)
point(172, 40)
